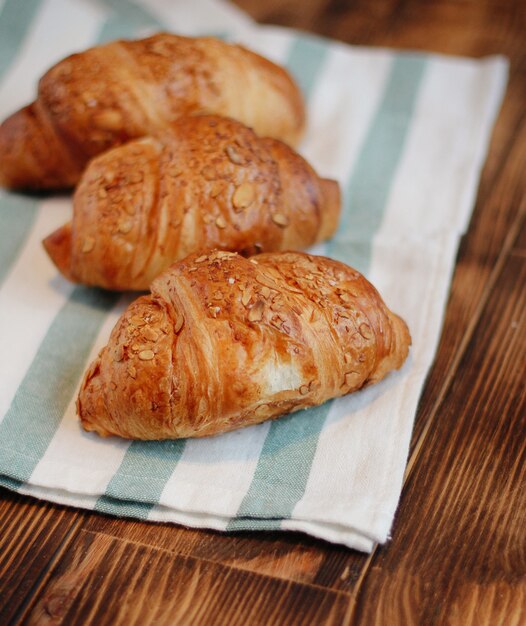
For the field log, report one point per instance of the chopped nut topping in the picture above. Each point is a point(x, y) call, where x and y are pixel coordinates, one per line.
point(234, 155)
point(109, 177)
point(348, 357)
point(110, 119)
point(118, 355)
point(265, 292)
point(351, 378)
point(88, 245)
point(150, 334)
point(217, 295)
point(220, 222)
point(202, 258)
point(125, 226)
point(345, 297)
point(207, 218)
point(132, 371)
point(215, 310)
point(304, 390)
point(137, 320)
point(281, 220)
point(216, 187)
point(256, 312)
point(223, 254)
point(243, 196)
point(146, 355)
point(365, 331)
point(245, 297)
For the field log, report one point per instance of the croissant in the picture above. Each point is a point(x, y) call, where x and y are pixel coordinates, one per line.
point(224, 342)
point(104, 96)
point(211, 182)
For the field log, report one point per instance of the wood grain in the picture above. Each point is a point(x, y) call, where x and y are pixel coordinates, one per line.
point(32, 534)
point(460, 528)
point(150, 585)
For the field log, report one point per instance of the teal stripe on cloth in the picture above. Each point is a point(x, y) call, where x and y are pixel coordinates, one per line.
point(128, 18)
point(17, 215)
point(306, 59)
point(143, 473)
point(133, 15)
point(10, 483)
point(267, 495)
point(283, 469)
point(369, 185)
point(290, 444)
point(16, 19)
point(50, 382)
point(123, 508)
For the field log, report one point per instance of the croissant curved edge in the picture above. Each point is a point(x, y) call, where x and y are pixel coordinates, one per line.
point(224, 342)
point(210, 182)
point(100, 98)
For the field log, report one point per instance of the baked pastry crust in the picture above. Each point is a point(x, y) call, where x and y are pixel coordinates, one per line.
point(109, 94)
point(224, 342)
point(209, 183)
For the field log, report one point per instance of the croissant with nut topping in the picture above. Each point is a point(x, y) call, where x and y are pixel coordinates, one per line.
point(109, 94)
point(211, 182)
point(224, 342)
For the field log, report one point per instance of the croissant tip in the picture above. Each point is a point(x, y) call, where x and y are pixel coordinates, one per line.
point(331, 206)
point(58, 247)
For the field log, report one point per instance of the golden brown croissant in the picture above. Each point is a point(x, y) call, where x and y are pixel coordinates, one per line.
point(224, 342)
point(210, 183)
point(103, 97)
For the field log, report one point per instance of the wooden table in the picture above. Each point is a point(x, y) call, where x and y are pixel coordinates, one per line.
point(458, 554)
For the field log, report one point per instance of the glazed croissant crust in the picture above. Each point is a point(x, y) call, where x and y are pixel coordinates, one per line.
point(107, 95)
point(211, 182)
point(224, 342)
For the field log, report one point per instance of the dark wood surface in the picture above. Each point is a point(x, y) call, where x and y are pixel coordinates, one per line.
point(458, 553)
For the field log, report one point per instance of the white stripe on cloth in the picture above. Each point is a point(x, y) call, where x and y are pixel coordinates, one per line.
point(453, 118)
point(359, 425)
point(74, 454)
point(191, 18)
point(30, 297)
point(50, 39)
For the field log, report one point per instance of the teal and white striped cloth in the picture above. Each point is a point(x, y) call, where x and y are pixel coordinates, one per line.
point(405, 134)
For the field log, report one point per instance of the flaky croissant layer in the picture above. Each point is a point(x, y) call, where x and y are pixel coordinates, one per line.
point(209, 183)
point(107, 95)
point(224, 342)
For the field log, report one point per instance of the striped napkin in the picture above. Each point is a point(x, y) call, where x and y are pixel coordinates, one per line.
point(405, 134)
